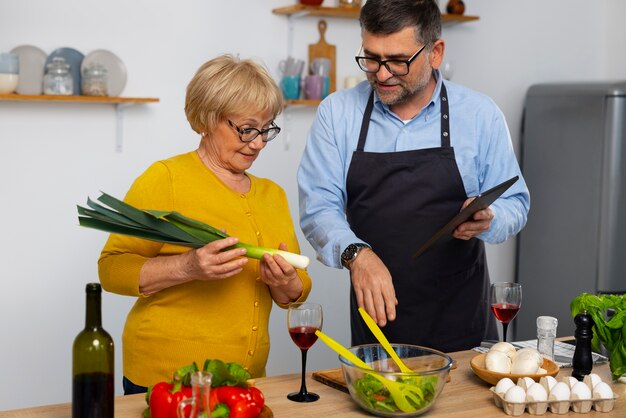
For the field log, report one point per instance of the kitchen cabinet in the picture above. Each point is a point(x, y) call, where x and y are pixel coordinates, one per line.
point(297, 11)
point(120, 104)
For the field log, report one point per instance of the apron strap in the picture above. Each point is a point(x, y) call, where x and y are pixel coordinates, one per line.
point(445, 117)
point(365, 124)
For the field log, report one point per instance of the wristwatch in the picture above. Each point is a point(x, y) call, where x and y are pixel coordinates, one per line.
point(350, 253)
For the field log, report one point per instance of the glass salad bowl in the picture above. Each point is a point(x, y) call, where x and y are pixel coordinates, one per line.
point(387, 392)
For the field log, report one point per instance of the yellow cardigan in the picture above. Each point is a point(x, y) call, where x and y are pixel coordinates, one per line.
point(223, 319)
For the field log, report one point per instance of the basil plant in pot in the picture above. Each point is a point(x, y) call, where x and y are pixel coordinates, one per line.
point(609, 317)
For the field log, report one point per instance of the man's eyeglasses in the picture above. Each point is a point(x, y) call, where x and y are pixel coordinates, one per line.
point(249, 134)
point(395, 66)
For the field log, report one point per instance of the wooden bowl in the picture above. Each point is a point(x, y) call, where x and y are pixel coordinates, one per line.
point(478, 366)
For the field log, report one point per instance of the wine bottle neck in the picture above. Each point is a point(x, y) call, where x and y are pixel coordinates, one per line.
point(93, 317)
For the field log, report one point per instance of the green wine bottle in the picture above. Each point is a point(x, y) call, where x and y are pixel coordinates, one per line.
point(92, 363)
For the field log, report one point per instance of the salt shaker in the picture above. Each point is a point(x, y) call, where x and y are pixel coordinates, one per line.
point(546, 333)
point(582, 362)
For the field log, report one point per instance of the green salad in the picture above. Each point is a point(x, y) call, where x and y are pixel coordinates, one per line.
point(376, 396)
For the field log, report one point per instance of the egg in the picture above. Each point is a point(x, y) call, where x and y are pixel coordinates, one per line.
point(536, 393)
point(504, 347)
point(497, 361)
point(602, 391)
point(569, 380)
point(515, 394)
point(592, 380)
point(580, 391)
point(503, 385)
point(559, 392)
point(525, 382)
point(547, 382)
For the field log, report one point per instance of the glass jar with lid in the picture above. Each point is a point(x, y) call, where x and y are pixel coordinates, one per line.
point(58, 79)
point(94, 80)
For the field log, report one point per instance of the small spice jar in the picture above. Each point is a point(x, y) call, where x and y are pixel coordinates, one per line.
point(58, 79)
point(94, 80)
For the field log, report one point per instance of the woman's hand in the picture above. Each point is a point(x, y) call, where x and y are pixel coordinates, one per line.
point(211, 263)
point(281, 277)
point(205, 263)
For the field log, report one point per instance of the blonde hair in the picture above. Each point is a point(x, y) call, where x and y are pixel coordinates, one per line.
point(227, 85)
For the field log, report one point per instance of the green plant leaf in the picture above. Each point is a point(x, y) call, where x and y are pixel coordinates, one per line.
point(148, 220)
point(134, 232)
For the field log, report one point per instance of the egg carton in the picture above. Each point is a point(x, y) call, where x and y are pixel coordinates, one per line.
point(556, 407)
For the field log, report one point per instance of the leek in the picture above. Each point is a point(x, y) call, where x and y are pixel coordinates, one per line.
point(166, 227)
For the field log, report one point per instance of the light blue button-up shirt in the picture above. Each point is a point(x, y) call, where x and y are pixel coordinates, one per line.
point(478, 133)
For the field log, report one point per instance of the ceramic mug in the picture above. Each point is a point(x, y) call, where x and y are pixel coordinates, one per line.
point(290, 85)
point(320, 66)
point(313, 86)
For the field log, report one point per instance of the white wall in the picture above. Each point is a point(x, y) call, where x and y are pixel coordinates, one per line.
point(55, 155)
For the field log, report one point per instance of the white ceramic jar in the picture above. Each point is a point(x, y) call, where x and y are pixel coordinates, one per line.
point(9, 72)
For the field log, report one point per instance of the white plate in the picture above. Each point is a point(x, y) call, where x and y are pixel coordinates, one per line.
point(116, 70)
point(32, 67)
point(74, 58)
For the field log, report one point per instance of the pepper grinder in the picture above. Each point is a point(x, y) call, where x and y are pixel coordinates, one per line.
point(582, 361)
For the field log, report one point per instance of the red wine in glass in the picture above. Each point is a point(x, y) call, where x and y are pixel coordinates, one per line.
point(304, 337)
point(506, 300)
point(303, 319)
point(504, 312)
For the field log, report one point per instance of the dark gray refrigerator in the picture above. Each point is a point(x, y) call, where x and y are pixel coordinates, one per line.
point(573, 158)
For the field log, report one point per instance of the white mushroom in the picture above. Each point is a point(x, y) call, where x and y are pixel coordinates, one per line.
point(504, 347)
point(526, 362)
point(497, 361)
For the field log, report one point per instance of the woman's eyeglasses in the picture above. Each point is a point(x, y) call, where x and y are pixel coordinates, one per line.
point(249, 134)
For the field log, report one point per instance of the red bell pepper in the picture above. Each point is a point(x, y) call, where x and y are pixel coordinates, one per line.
point(164, 398)
point(241, 402)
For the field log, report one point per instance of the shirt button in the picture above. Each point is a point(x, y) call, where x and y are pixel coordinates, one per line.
point(256, 303)
point(258, 233)
point(258, 279)
point(255, 328)
point(250, 353)
point(249, 213)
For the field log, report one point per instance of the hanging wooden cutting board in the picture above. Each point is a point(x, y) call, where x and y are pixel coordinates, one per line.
point(323, 49)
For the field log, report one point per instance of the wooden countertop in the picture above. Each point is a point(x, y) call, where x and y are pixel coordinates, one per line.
point(464, 396)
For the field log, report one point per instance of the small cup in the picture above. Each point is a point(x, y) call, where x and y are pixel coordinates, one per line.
point(326, 87)
point(321, 66)
point(9, 72)
point(313, 87)
point(290, 84)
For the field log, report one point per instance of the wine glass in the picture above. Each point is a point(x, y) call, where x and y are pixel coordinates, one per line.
point(506, 299)
point(303, 319)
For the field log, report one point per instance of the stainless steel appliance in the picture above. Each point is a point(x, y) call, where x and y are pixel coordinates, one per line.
point(573, 157)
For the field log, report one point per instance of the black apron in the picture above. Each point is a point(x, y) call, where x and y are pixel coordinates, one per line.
point(396, 201)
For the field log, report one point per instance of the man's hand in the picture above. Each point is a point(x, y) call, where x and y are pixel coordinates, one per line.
point(478, 223)
point(373, 286)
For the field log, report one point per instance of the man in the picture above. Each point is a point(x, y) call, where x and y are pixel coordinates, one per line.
point(392, 160)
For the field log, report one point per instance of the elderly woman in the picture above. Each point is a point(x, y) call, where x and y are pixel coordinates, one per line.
point(211, 302)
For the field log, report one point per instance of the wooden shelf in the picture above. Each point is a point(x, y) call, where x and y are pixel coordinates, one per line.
point(351, 13)
point(344, 12)
point(120, 104)
point(302, 102)
point(79, 99)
